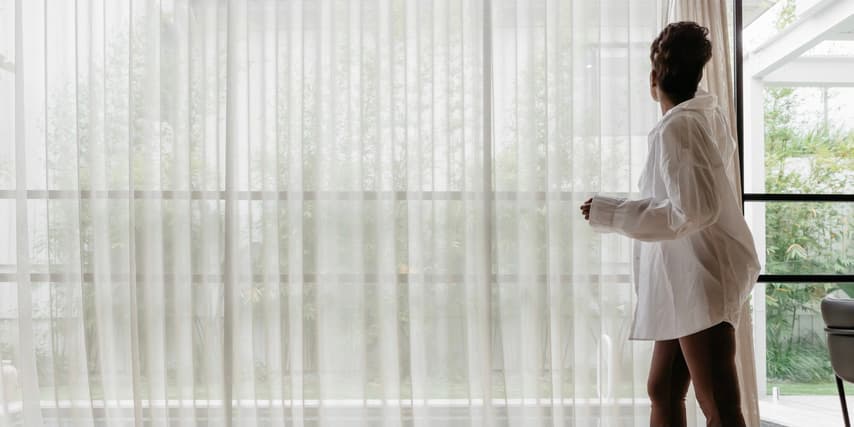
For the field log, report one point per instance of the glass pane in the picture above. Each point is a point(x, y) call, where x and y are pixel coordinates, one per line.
point(808, 142)
point(8, 229)
point(798, 97)
point(10, 355)
point(798, 375)
point(803, 238)
point(796, 353)
point(7, 128)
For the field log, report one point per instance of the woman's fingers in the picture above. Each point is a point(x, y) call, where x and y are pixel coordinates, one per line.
point(585, 208)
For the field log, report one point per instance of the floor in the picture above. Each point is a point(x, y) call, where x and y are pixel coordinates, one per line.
point(803, 411)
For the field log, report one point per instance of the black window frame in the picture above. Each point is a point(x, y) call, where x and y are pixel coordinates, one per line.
point(738, 12)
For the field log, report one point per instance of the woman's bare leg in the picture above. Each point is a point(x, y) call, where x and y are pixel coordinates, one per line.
point(710, 356)
point(668, 385)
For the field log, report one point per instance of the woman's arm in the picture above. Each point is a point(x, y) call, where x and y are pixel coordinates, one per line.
point(691, 204)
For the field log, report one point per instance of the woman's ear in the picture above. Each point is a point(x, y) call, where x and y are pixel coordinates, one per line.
point(653, 86)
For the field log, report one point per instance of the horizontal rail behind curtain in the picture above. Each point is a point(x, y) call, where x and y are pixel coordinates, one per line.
point(304, 195)
point(359, 279)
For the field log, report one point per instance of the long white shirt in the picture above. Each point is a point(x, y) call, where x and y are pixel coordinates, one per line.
point(694, 259)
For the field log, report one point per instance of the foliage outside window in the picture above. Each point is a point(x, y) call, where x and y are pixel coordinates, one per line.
point(804, 238)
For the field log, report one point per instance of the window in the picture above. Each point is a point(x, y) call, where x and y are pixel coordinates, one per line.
point(798, 188)
point(286, 208)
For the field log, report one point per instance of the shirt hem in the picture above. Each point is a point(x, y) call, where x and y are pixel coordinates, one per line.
point(732, 319)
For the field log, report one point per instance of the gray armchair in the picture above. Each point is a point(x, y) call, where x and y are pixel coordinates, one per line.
point(838, 316)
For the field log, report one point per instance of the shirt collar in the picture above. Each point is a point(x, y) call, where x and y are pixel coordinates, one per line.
point(701, 101)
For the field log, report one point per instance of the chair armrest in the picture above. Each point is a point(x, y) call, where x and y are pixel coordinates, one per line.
point(838, 313)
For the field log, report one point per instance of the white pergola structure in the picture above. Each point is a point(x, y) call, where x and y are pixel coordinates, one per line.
point(783, 59)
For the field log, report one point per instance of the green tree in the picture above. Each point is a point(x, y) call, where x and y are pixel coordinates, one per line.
point(803, 238)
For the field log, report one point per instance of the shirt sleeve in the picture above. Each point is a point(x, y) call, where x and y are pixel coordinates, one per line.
point(691, 203)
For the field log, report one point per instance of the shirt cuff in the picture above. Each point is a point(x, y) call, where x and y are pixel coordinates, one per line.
point(602, 213)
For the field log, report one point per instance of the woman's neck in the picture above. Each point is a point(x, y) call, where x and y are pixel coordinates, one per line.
point(666, 104)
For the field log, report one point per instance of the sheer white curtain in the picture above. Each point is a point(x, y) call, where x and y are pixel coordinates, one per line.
point(325, 212)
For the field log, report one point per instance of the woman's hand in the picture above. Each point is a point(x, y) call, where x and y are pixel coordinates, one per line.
point(585, 208)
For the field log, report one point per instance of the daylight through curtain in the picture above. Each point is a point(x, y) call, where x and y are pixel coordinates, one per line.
point(325, 212)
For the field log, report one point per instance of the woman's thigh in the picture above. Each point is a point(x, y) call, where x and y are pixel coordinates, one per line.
point(710, 356)
point(668, 374)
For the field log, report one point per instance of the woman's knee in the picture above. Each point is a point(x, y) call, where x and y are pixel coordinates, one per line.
point(709, 407)
point(658, 389)
point(665, 390)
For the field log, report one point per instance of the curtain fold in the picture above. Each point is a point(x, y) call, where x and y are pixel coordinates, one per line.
point(319, 213)
point(718, 80)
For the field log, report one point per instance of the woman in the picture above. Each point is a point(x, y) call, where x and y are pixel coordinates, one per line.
point(695, 262)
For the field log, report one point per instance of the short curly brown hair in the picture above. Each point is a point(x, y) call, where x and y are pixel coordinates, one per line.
point(678, 55)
